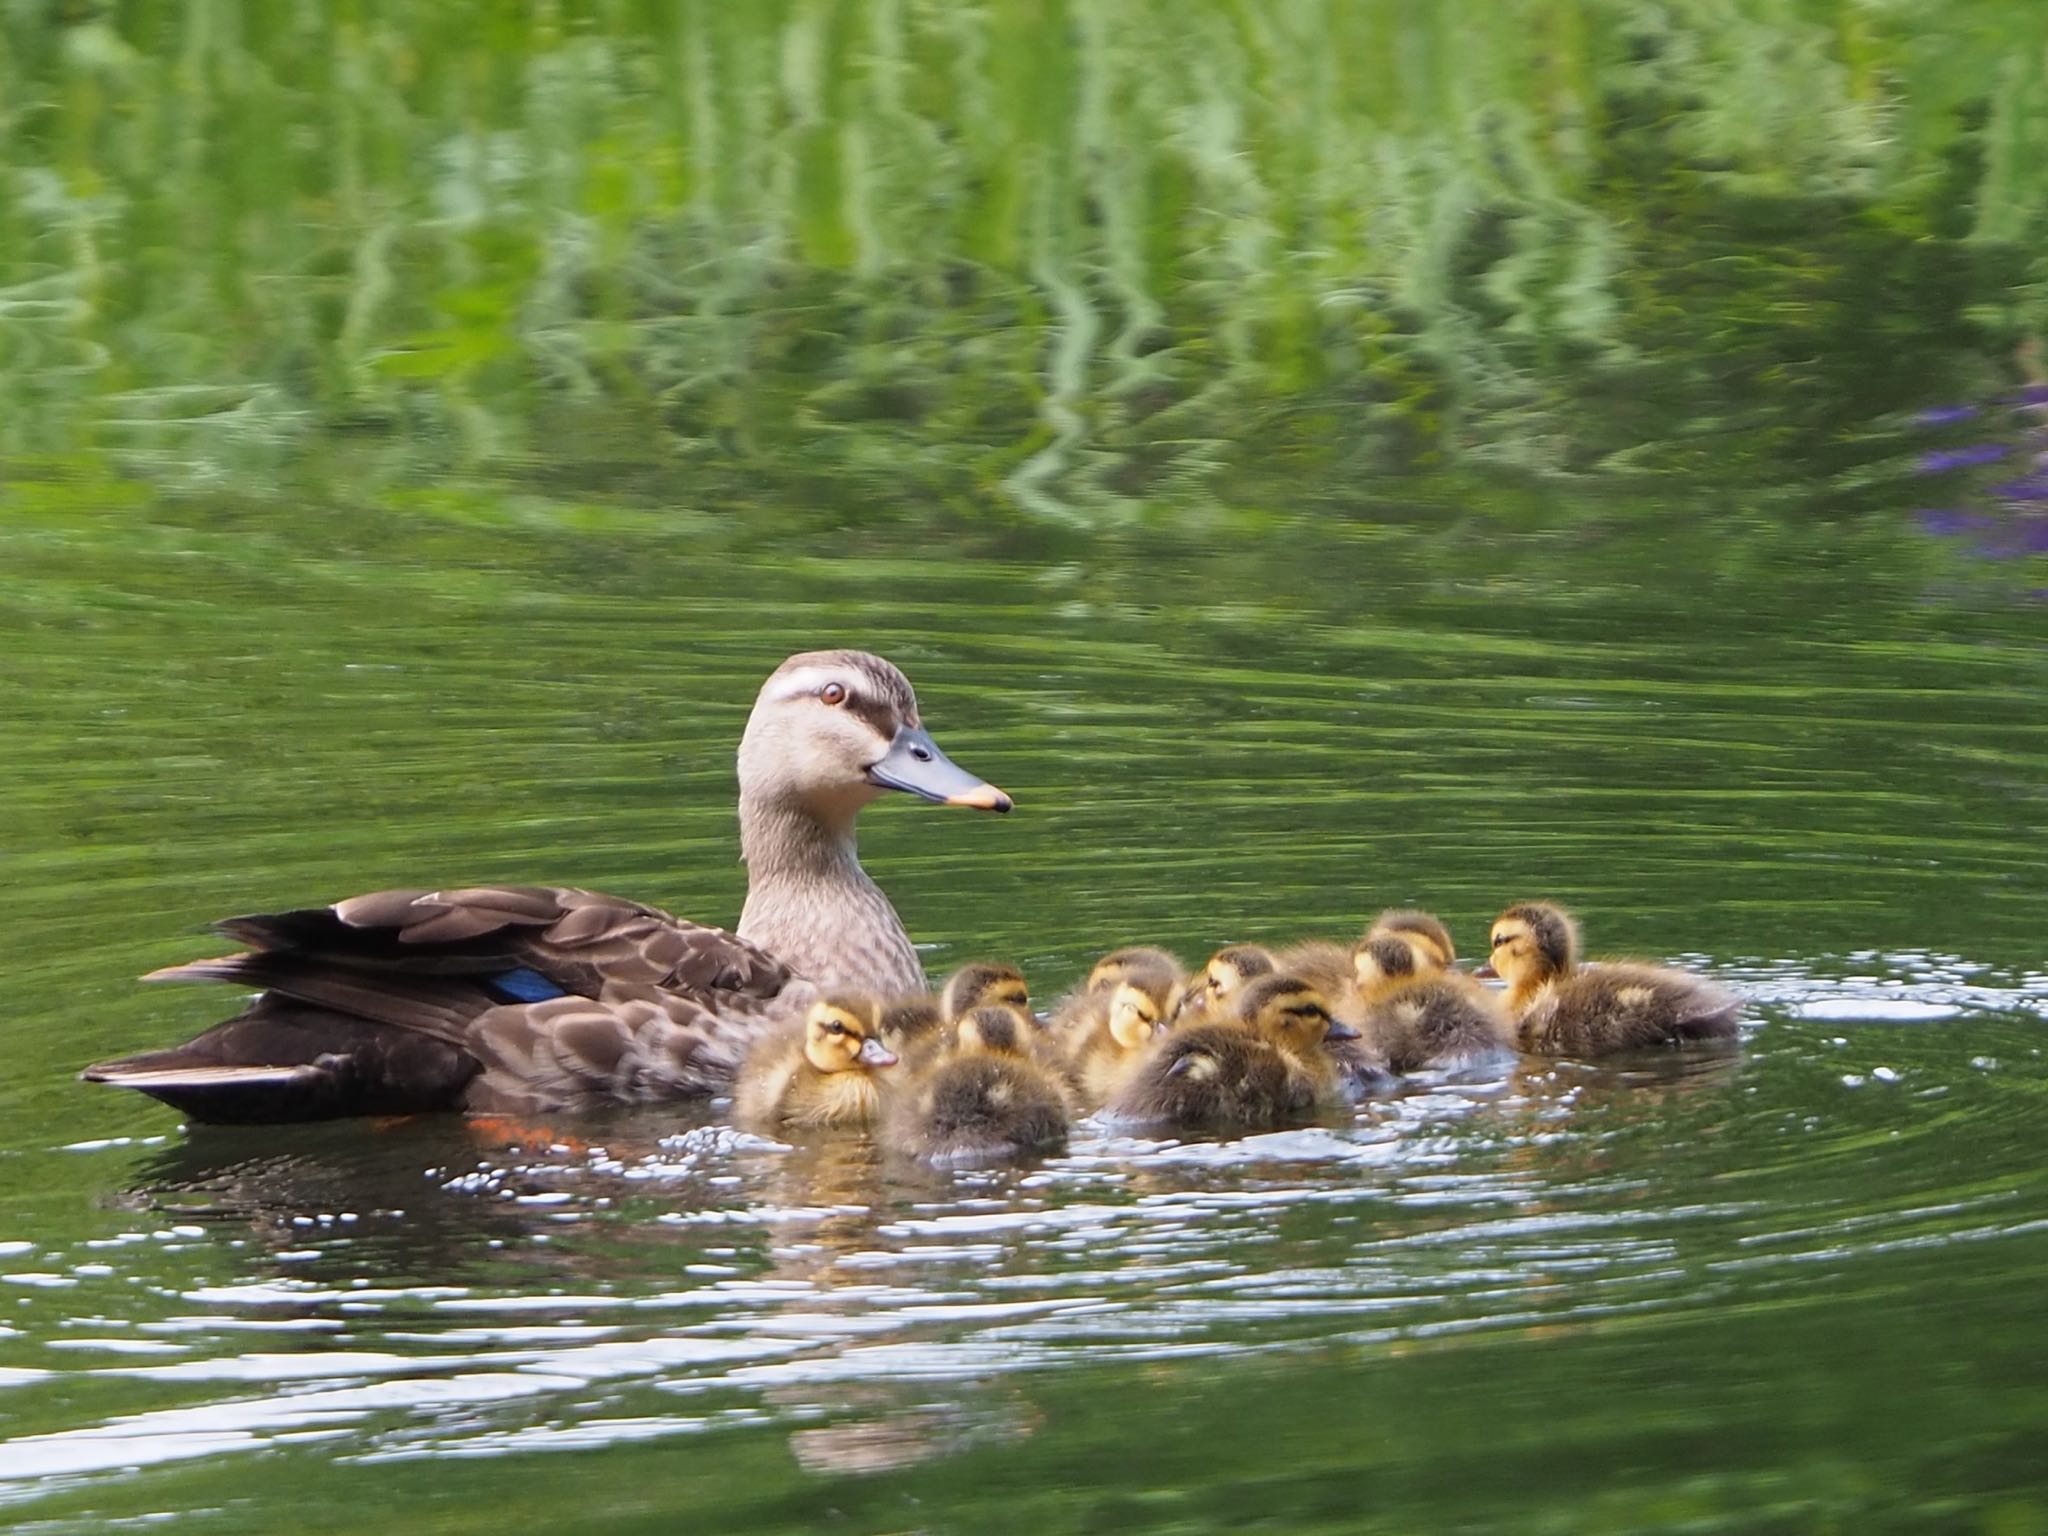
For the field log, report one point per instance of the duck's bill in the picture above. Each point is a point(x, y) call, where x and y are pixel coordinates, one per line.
point(1339, 1030)
point(875, 1054)
point(1485, 972)
point(915, 765)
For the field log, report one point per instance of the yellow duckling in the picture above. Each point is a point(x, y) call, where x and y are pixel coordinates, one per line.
point(1259, 1068)
point(1135, 962)
point(1562, 1010)
point(1419, 1014)
point(1213, 990)
point(823, 1074)
point(1103, 1045)
point(985, 1099)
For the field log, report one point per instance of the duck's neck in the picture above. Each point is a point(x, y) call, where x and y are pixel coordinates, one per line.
point(811, 905)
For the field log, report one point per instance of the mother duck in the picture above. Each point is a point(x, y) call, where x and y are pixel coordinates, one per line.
point(534, 998)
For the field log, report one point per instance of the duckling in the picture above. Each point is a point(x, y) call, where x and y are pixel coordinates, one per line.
point(1134, 962)
point(1418, 1013)
point(1213, 990)
point(982, 983)
point(1322, 964)
point(1406, 921)
point(911, 1021)
point(822, 1074)
point(1258, 1068)
point(1563, 1010)
point(1102, 1048)
point(985, 1100)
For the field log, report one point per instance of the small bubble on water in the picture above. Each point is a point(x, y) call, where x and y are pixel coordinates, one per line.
point(1984, 1063)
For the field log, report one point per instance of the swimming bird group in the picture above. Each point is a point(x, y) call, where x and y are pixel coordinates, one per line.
point(813, 1011)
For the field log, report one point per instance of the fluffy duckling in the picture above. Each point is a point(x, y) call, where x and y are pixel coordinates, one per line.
point(1134, 962)
point(1563, 1010)
point(1213, 990)
point(1408, 922)
point(1103, 1045)
point(823, 1074)
point(1419, 1014)
point(986, 1099)
point(1259, 1068)
point(982, 984)
point(910, 1023)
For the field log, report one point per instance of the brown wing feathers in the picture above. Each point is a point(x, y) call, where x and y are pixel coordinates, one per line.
point(654, 1008)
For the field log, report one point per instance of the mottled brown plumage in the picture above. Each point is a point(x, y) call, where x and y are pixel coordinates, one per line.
point(552, 997)
point(1261, 1068)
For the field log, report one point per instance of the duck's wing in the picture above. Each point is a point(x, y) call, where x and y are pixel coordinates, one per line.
point(417, 1000)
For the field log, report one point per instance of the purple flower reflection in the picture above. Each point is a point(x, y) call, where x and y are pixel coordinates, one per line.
point(1942, 415)
point(1946, 459)
point(2033, 487)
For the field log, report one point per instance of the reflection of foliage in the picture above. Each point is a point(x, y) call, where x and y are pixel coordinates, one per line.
point(1079, 253)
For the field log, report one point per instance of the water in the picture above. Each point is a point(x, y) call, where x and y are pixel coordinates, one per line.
point(1588, 578)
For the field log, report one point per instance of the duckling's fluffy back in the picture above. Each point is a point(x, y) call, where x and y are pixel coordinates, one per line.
point(1439, 1021)
point(981, 1108)
point(1622, 1006)
point(1216, 1076)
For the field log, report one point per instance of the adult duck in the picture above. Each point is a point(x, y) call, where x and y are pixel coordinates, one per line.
point(541, 998)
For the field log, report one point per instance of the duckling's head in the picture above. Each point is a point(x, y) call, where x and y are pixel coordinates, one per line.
point(1136, 1014)
point(985, 984)
point(1426, 926)
point(1532, 942)
point(843, 1033)
point(1291, 1013)
point(1131, 963)
point(993, 1031)
point(832, 730)
point(1224, 975)
point(912, 1017)
point(1381, 958)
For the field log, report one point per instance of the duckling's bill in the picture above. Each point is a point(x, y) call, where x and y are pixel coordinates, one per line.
point(915, 765)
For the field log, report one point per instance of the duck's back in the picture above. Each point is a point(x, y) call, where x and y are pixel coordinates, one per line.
point(536, 997)
point(1622, 1006)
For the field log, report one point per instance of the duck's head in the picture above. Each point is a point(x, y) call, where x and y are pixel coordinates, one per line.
point(1291, 1013)
point(1224, 975)
point(1530, 943)
point(1426, 926)
point(985, 984)
point(992, 1031)
point(1136, 962)
point(1136, 1014)
point(832, 730)
point(843, 1033)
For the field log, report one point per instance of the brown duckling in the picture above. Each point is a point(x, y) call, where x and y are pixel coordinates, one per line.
point(1561, 1009)
point(1134, 962)
point(821, 1074)
point(1155, 970)
point(1409, 923)
point(1212, 991)
point(1105, 1043)
point(985, 983)
point(1259, 1068)
point(985, 1099)
point(1419, 1014)
point(912, 1021)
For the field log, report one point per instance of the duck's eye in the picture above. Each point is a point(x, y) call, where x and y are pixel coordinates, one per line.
point(1500, 939)
point(833, 693)
point(835, 1029)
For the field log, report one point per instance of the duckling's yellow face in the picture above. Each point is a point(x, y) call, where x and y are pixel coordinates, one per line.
point(1134, 1016)
point(1518, 954)
point(1292, 1014)
point(842, 1036)
point(1225, 975)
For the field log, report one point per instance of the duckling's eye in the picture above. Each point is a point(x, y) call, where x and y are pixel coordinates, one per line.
point(833, 693)
point(835, 1029)
point(1500, 939)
